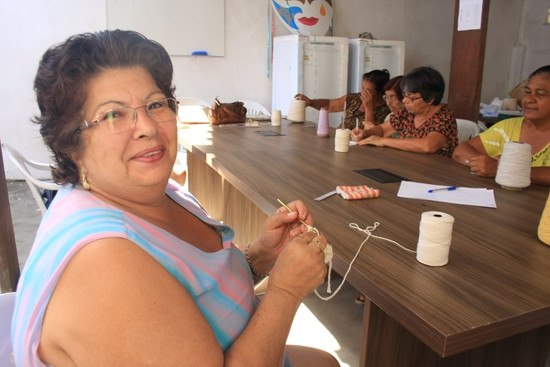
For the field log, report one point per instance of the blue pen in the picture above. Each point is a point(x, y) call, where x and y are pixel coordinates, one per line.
point(450, 188)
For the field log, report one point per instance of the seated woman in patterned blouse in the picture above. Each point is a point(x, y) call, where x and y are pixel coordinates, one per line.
point(368, 106)
point(425, 125)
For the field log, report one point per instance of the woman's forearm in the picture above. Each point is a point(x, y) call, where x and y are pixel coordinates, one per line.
point(263, 341)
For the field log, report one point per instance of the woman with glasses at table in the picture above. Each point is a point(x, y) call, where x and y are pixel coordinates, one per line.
point(127, 269)
point(393, 96)
point(425, 125)
point(367, 107)
point(482, 153)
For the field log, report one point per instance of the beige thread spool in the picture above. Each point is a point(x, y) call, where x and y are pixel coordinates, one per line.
point(509, 104)
point(434, 238)
point(276, 118)
point(297, 110)
point(544, 224)
point(514, 166)
point(341, 140)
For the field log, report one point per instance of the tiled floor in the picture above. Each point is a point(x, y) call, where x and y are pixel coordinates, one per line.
point(334, 325)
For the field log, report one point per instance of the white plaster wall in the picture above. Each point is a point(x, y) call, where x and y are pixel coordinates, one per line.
point(517, 44)
point(29, 27)
point(534, 37)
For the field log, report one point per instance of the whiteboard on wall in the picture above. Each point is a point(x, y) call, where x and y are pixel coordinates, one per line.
point(183, 27)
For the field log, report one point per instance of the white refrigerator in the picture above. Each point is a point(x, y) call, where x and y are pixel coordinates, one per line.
point(311, 65)
point(366, 55)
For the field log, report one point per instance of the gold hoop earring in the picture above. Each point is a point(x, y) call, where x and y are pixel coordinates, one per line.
point(85, 184)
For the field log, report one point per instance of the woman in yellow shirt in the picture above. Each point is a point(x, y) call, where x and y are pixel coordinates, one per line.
point(482, 152)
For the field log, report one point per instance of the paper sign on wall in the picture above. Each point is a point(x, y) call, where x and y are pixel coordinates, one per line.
point(469, 15)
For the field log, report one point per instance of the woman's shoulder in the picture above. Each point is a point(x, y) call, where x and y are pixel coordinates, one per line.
point(74, 206)
point(352, 98)
point(514, 121)
point(383, 108)
point(507, 126)
point(446, 111)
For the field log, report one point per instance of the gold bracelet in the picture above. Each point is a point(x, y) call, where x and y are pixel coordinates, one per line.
point(250, 263)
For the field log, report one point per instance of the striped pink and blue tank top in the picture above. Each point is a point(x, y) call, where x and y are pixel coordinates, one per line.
point(221, 282)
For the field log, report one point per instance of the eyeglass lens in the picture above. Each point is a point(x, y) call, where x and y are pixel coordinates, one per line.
point(124, 118)
point(412, 99)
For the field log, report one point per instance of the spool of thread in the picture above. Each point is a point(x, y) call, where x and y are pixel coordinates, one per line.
point(322, 125)
point(297, 110)
point(509, 104)
point(434, 238)
point(276, 118)
point(341, 140)
point(514, 167)
point(544, 224)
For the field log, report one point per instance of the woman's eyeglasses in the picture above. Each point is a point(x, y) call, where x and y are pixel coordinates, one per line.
point(412, 99)
point(121, 119)
point(389, 98)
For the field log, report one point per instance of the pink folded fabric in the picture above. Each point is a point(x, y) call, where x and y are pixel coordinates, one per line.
point(357, 192)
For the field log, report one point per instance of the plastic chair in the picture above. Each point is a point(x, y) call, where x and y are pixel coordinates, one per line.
point(466, 129)
point(254, 108)
point(7, 303)
point(37, 186)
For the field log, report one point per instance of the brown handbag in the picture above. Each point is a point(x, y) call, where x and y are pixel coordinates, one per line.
point(227, 113)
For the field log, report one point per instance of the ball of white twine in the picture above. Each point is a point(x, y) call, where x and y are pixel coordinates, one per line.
point(514, 167)
point(341, 140)
point(434, 239)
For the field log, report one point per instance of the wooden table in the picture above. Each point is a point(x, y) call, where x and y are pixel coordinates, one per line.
point(489, 306)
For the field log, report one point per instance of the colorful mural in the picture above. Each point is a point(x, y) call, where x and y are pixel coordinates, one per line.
point(305, 17)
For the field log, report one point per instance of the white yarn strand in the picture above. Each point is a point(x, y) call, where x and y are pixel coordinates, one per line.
point(328, 259)
point(434, 241)
point(514, 167)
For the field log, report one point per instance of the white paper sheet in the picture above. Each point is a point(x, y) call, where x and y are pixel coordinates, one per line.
point(462, 195)
point(469, 15)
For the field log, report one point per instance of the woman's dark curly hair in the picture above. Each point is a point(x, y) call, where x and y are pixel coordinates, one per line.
point(424, 80)
point(379, 78)
point(62, 79)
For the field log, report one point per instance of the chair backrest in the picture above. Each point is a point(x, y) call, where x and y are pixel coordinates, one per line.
point(7, 303)
point(192, 101)
point(255, 108)
point(36, 185)
point(466, 129)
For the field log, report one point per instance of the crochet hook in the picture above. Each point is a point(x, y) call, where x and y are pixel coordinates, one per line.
point(309, 227)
